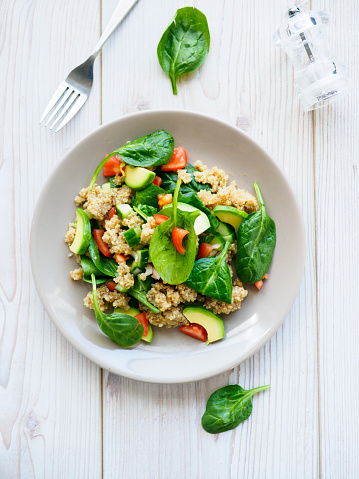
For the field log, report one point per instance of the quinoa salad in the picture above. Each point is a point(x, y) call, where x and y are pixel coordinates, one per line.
point(164, 243)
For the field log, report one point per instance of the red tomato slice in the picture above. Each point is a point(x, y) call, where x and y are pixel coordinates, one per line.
point(102, 246)
point(177, 161)
point(177, 237)
point(144, 321)
point(112, 167)
point(111, 285)
point(204, 250)
point(111, 213)
point(160, 218)
point(194, 330)
point(157, 181)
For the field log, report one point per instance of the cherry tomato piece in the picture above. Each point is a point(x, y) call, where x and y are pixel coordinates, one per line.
point(164, 199)
point(144, 321)
point(177, 161)
point(157, 181)
point(111, 285)
point(111, 213)
point(102, 246)
point(160, 218)
point(204, 250)
point(112, 167)
point(194, 330)
point(121, 258)
point(177, 237)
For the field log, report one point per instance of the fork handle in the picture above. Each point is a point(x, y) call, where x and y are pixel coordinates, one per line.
point(122, 9)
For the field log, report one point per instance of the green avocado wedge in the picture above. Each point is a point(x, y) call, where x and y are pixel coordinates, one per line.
point(230, 215)
point(133, 312)
point(201, 223)
point(138, 178)
point(212, 323)
point(83, 233)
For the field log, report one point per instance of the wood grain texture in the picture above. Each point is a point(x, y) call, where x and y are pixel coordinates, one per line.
point(50, 414)
point(160, 425)
point(337, 202)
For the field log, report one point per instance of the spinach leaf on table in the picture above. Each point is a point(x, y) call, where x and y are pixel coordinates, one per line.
point(184, 46)
point(148, 196)
point(151, 150)
point(256, 239)
point(139, 291)
point(212, 277)
point(173, 267)
point(124, 329)
point(228, 407)
point(107, 266)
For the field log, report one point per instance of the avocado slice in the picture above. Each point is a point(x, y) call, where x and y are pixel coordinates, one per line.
point(138, 178)
point(212, 323)
point(201, 223)
point(229, 214)
point(134, 312)
point(83, 233)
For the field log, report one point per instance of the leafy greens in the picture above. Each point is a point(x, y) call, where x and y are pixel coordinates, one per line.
point(151, 150)
point(228, 407)
point(139, 291)
point(107, 266)
point(184, 45)
point(124, 329)
point(173, 267)
point(256, 239)
point(212, 277)
point(148, 196)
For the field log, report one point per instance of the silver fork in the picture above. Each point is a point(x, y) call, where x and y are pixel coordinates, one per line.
point(73, 92)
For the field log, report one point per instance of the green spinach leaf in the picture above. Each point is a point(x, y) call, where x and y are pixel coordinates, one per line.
point(256, 239)
point(212, 277)
point(151, 150)
point(184, 46)
point(139, 291)
point(228, 407)
point(148, 196)
point(173, 267)
point(124, 329)
point(89, 268)
point(107, 266)
point(145, 211)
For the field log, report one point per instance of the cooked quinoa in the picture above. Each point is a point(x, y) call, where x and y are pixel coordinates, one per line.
point(169, 299)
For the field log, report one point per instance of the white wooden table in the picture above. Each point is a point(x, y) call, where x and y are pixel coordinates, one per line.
point(61, 416)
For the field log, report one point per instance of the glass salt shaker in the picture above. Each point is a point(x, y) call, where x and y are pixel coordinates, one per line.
point(319, 77)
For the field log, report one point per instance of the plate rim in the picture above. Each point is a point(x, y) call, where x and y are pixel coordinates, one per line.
point(132, 374)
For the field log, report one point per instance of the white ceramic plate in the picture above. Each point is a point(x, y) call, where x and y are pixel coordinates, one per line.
point(172, 357)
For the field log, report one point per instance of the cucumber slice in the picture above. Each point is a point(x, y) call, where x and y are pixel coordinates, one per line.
point(132, 236)
point(83, 233)
point(141, 262)
point(121, 289)
point(215, 239)
point(106, 186)
point(138, 178)
point(226, 232)
point(123, 210)
point(231, 215)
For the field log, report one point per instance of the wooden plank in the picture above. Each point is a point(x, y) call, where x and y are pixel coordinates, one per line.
point(337, 193)
point(50, 414)
point(153, 431)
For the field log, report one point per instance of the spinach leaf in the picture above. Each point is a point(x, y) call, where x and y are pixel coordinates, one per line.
point(148, 196)
point(124, 329)
point(107, 266)
point(173, 267)
point(139, 291)
point(184, 46)
point(150, 150)
point(112, 183)
point(227, 407)
point(145, 211)
point(256, 239)
point(212, 277)
point(89, 268)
